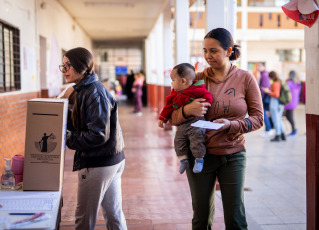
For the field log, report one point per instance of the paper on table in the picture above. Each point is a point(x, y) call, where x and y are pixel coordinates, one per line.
point(30, 220)
point(4, 222)
point(207, 124)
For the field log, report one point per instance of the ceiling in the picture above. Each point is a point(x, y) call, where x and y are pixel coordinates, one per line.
point(113, 20)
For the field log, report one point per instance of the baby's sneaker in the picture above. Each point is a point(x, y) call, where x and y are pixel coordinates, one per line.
point(198, 166)
point(184, 165)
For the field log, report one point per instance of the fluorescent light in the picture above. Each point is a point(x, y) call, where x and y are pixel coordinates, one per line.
point(111, 4)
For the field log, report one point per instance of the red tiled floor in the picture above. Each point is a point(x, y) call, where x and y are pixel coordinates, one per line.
point(155, 195)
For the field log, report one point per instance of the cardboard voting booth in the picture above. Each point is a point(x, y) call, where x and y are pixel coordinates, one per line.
point(45, 144)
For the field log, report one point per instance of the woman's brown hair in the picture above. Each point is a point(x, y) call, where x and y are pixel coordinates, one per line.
point(82, 61)
point(225, 40)
point(274, 76)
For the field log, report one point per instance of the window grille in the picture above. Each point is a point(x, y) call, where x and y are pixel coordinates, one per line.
point(10, 76)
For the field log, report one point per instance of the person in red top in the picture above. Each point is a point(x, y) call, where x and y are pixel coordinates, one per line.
point(187, 138)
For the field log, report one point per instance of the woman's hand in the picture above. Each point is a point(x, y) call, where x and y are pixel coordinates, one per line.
point(223, 121)
point(197, 108)
point(67, 92)
point(266, 90)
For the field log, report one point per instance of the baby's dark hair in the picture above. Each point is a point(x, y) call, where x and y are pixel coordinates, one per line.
point(185, 70)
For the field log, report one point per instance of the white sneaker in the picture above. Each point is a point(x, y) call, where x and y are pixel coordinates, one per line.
point(272, 132)
point(139, 114)
point(267, 134)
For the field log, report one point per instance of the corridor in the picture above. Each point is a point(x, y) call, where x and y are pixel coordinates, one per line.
point(157, 197)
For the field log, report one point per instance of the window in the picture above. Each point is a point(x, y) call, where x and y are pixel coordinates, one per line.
point(292, 55)
point(260, 20)
point(278, 20)
point(9, 58)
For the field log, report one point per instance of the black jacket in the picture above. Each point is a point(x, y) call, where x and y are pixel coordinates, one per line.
point(97, 135)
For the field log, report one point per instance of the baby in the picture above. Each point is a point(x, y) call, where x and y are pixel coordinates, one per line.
point(185, 90)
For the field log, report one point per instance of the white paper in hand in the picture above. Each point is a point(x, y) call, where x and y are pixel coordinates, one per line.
point(207, 124)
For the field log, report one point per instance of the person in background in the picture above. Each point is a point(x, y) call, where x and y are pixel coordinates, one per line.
point(129, 84)
point(95, 134)
point(236, 94)
point(276, 109)
point(295, 88)
point(187, 138)
point(256, 74)
point(264, 82)
point(144, 90)
point(122, 81)
point(303, 93)
point(137, 90)
point(302, 78)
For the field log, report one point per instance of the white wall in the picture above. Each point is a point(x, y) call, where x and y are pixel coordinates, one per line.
point(21, 15)
point(54, 20)
point(154, 54)
point(62, 32)
point(50, 21)
point(265, 51)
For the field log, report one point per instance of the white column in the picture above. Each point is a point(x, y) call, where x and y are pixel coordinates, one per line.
point(244, 15)
point(243, 55)
point(154, 54)
point(215, 14)
point(221, 14)
point(158, 30)
point(231, 19)
point(243, 43)
point(158, 47)
point(168, 45)
point(312, 68)
point(181, 31)
point(312, 121)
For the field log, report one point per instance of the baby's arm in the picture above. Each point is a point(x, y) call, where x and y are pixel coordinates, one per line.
point(161, 123)
point(167, 110)
point(208, 96)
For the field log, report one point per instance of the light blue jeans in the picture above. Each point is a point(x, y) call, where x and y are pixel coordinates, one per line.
point(276, 111)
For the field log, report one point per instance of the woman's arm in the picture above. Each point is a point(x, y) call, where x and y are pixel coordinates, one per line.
point(254, 109)
point(255, 119)
point(197, 108)
point(98, 127)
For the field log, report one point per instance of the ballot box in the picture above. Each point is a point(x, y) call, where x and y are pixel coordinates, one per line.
point(45, 144)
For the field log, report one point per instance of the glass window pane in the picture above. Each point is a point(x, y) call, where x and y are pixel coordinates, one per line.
point(9, 58)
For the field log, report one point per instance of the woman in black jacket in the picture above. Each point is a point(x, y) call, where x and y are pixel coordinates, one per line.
point(95, 133)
